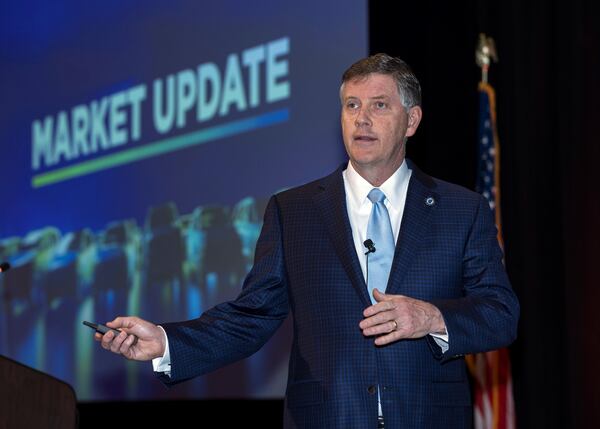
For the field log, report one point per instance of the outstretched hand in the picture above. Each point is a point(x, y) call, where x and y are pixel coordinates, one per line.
point(139, 339)
point(396, 317)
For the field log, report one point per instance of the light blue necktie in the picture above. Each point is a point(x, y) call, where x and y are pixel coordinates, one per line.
point(379, 230)
point(379, 263)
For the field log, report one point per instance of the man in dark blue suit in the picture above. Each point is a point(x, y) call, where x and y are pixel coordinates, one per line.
point(391, 276)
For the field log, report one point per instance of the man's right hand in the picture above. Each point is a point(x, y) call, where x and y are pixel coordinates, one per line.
point(140, 340)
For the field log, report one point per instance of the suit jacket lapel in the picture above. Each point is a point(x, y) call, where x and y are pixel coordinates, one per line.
point(331, 203)
point(421, 201)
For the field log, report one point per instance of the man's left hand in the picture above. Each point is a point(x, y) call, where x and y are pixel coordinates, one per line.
point(396, 317)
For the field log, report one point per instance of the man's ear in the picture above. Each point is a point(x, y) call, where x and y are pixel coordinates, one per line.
point(414, 119)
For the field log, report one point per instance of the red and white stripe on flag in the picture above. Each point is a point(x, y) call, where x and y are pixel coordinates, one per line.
point(493, 405)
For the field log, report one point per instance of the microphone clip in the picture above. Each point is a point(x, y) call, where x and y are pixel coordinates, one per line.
point(368, 243)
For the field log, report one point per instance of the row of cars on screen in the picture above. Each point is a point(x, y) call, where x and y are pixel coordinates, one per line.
point(48, 265)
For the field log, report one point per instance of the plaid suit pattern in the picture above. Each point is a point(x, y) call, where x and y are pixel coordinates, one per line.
point(305, 261)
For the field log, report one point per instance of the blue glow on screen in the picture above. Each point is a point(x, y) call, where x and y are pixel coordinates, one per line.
point(112, 214)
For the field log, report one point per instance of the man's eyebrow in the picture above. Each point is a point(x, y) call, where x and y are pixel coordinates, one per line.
point(377, 97)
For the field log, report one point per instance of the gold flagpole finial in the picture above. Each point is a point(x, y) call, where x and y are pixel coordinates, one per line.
point(485, 52)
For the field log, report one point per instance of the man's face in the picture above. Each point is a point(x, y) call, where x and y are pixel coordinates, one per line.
point(375, 125)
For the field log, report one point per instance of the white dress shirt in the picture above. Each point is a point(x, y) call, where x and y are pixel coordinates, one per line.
point(163, 364)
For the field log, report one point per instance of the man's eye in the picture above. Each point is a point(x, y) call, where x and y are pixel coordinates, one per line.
point(351, 105)
point(381, 105)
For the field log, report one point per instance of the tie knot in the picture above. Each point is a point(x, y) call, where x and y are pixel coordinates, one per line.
point(376, 196)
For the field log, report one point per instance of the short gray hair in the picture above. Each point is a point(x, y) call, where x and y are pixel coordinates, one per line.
point(408, 84)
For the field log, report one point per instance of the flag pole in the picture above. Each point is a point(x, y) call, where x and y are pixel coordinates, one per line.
point(493, 403)
point(484, 54)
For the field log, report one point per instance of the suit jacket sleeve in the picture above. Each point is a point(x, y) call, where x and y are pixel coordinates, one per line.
point(234, 330)
point(486, 317)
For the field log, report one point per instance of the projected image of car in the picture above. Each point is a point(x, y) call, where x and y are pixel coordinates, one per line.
point(118, 256)
point(71, 269)
point(193, 237)
point(15, 289)
point(24, 294)
point(24, 282)
point(164, 246)
point(8, 248)
point(247, 218)
point(221, 254)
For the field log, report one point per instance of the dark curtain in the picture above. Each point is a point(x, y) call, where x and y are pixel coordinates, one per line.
point(547, 99)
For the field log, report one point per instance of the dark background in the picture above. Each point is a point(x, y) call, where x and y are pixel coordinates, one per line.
point(547, 100)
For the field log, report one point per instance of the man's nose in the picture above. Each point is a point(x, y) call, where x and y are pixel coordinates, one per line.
point(363, 119)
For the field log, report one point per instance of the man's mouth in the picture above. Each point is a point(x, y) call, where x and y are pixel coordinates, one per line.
point(365, 138)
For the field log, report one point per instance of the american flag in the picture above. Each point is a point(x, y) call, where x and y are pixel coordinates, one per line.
point(493, 397)
point(488, 178)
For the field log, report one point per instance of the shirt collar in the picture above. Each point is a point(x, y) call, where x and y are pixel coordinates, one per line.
point(359, 188)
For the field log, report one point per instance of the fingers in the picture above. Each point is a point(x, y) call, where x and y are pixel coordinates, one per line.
point(139, 339)
point(106, 339)
point(115, 344)
point(131, 325)
point(382, 340)
point(110, 340)
point(378, 318)
point(121, 344)
point(381, 329)
point(384, 303)
point(125, 348)
point(396, 317)
point(380, 296)
point(122, 322)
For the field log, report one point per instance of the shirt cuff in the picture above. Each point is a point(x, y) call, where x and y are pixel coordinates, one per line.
point(442, 341)
point(163, 364)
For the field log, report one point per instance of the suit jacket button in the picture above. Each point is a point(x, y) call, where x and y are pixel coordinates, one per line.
point(372, 390)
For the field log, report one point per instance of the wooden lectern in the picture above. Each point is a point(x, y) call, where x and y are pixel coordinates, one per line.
point(32, 399)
